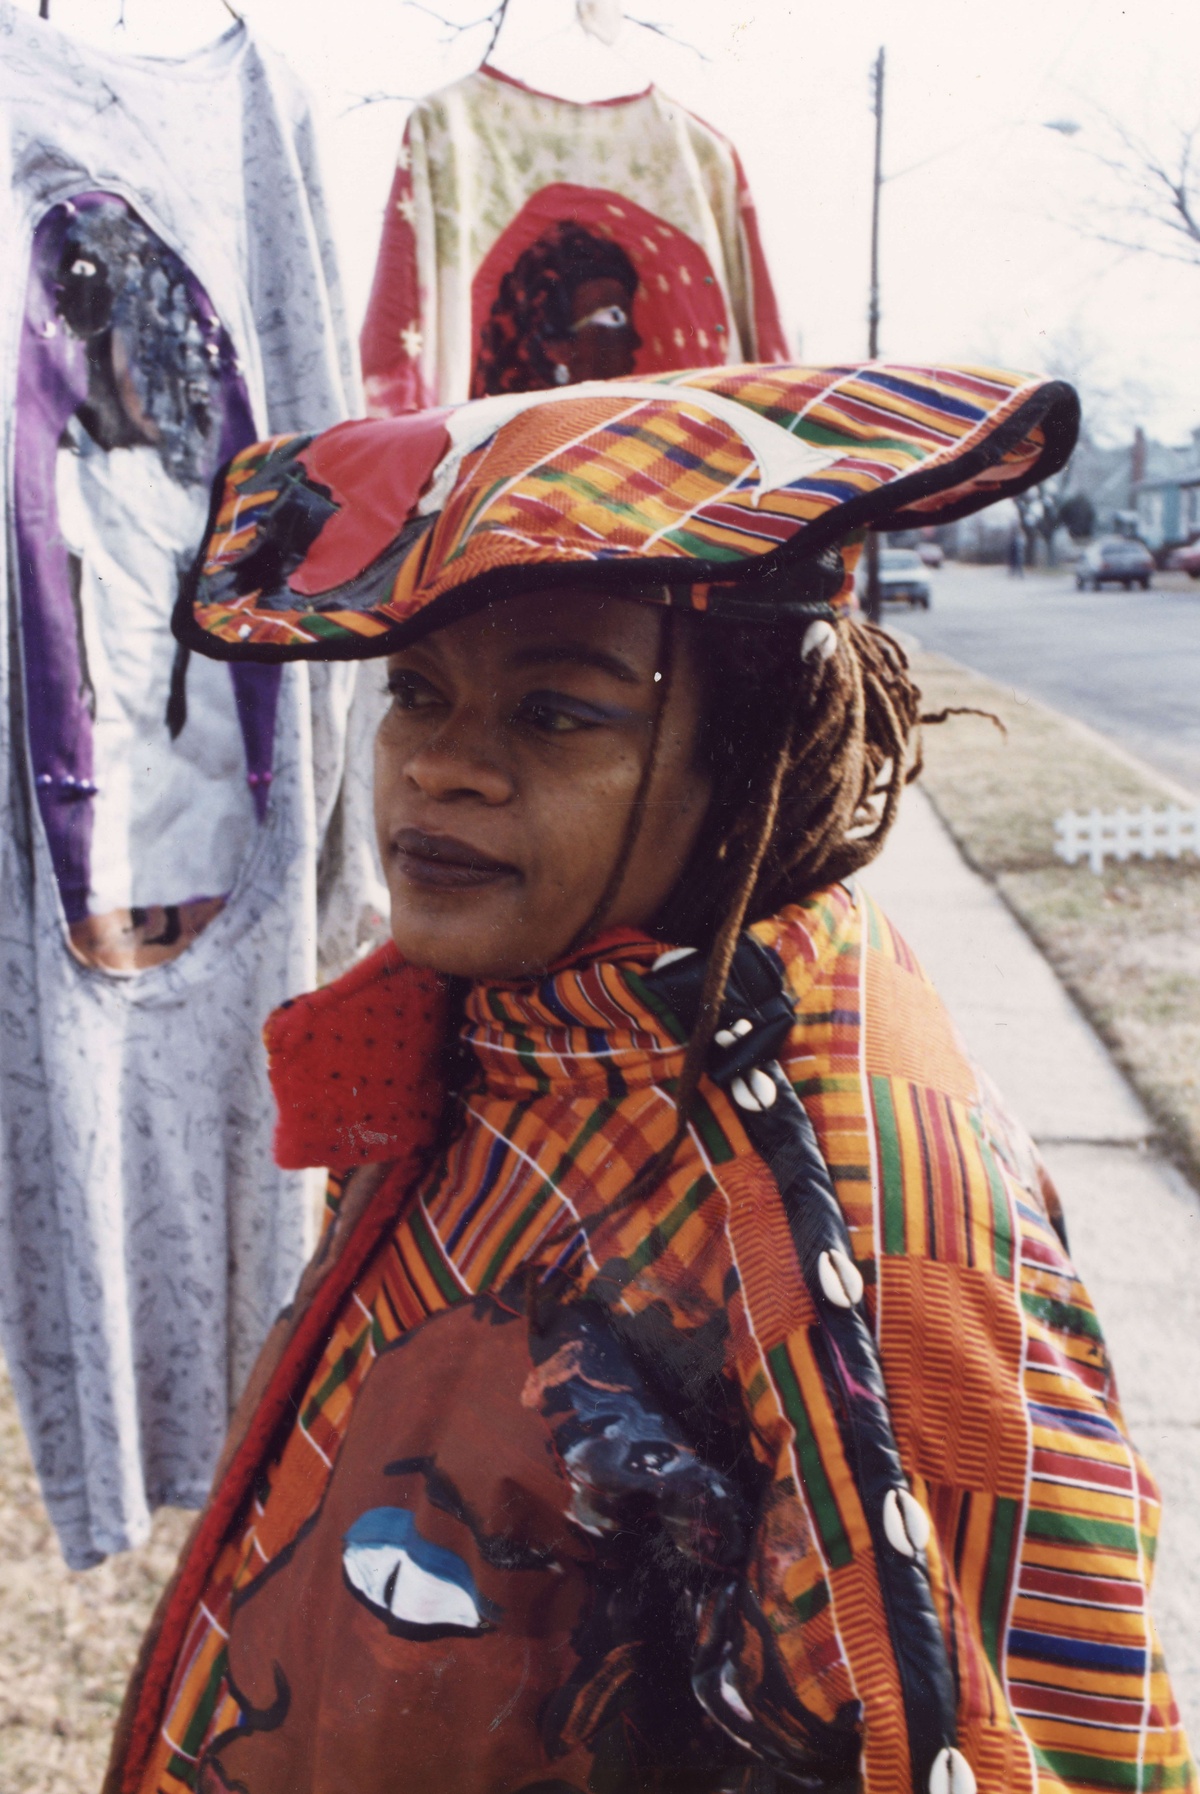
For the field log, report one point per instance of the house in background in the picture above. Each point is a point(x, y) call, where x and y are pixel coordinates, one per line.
point(1103, 476)
point(1167, 498)
point(1141, 488)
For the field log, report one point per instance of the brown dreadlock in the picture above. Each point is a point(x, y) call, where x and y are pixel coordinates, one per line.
point(809, 756)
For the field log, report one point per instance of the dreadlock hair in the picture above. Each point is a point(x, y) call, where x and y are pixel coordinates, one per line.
point(807, 733)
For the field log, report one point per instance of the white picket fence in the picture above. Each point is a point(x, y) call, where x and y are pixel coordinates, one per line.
point(1122, 834)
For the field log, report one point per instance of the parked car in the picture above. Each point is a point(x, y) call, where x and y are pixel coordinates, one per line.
point(1114, 560)
point(931, 553)
point(902, 576)
point(1186, 560)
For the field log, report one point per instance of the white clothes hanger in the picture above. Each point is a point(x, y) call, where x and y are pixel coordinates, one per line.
point(575, 49)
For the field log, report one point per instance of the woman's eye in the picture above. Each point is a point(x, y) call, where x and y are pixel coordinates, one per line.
point(555, 717)
point(411, 692)
point(553, 713)
point(605, 317)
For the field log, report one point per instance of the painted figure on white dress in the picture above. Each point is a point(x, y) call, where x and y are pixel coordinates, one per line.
point(169, 795)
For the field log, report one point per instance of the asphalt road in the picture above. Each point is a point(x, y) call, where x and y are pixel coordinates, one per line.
point(1127, 663)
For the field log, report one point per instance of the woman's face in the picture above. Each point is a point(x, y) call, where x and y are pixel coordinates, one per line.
point(603, 342)
point(505, 773)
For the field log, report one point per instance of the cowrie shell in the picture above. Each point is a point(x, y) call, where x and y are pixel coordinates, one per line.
point(951, 1773)
point(744, 1026)
point(725, 1037)
point(840, 1278)
point(820, 638)
point(905, 1523)
point(669, 958)
point(733, 1698)
point(763, 1086)
point(742, 1097)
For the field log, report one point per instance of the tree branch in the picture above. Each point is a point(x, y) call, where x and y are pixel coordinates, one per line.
point(379, 99)
point(1162, 195)
point(665, 31)
point(1143, 248)
point(494, 18)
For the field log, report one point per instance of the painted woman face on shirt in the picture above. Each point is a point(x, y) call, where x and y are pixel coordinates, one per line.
point(484, 1599)
point(424, 1616)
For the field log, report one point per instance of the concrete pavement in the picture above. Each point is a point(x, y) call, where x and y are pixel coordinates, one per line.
point(1127, 663)
point(1134, 1220)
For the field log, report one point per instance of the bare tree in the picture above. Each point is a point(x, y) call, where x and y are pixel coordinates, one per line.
point(1112, 409)
point(1155, 204)
point(493, 21)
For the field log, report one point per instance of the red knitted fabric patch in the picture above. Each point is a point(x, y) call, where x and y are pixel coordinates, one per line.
point(354, 1066)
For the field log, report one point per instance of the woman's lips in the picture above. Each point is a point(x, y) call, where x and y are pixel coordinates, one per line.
point(440, 862)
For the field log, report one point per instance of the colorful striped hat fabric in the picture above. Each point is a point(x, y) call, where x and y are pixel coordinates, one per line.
point(727, 489)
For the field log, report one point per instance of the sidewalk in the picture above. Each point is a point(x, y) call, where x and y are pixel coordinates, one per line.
point(1134, 1221)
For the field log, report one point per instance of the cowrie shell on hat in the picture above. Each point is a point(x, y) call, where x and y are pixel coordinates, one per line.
point(820, 640)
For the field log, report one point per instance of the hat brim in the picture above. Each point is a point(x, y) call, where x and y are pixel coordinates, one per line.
point(727, 490)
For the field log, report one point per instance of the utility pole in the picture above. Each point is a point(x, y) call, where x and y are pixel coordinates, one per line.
point(874, 595)
point(873, 302)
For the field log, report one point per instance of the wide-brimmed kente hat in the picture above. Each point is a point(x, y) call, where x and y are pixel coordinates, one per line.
point(728, 489)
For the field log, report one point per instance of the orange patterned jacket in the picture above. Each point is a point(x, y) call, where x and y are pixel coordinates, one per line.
point(813, 1461)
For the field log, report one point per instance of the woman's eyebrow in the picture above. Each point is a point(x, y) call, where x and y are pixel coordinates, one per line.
point(576, 654)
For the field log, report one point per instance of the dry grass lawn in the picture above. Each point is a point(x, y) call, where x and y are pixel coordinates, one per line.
point(67, 1638)
point(1125, 942)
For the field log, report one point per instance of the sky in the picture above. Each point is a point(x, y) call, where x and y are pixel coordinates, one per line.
point(989, 218)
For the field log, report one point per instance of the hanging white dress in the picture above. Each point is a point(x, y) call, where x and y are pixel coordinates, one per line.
point(173, 835)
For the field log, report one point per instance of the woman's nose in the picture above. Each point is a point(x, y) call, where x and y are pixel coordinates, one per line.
point(459, 761)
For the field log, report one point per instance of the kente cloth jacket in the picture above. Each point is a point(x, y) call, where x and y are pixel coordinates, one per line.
point(807, 1471)
point(145, 1241)
point(506, 201)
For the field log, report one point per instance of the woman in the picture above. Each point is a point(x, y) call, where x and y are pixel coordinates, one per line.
point(564, 314)
point(694, 1391)
point(168, 815)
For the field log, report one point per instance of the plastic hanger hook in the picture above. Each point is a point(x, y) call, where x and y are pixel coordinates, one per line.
point(601, 19)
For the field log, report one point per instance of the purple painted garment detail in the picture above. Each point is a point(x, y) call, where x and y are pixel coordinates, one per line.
point(52, 381)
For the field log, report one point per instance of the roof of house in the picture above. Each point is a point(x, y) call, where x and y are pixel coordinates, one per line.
point(1185, 476)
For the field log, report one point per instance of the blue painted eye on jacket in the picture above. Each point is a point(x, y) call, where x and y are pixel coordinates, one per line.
point(418, 1589)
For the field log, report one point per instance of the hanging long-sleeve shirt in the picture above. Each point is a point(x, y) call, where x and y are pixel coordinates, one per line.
point(160, 823)
point(517, 222)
